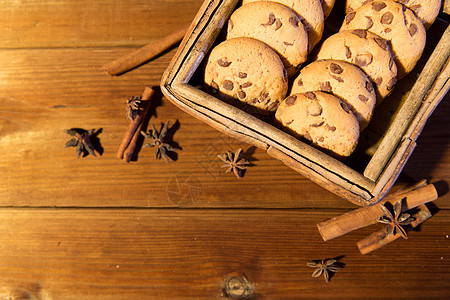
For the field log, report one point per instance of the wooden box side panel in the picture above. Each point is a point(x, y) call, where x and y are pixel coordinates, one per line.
point(407, 114)
point(199, 38)
point(345, 190)
point(228, 123)
point(404, 151)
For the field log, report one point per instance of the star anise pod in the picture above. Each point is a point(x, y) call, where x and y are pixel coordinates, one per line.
point(324, 267)
point(234, 162)
point(395, 221)
point(133, 105)
point(157, 141)
point(81, 140)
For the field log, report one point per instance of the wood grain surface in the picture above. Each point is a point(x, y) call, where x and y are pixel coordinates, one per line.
point(190, 254)
point(98, 228)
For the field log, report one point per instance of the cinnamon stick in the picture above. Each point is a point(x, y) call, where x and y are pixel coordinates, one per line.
point(133, 130)
point(408, 188)
point(141, 55)
point(379, 239)
point(366, 216)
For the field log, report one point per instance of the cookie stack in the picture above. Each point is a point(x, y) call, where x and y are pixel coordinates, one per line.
point(395, 23)
point(333, 98)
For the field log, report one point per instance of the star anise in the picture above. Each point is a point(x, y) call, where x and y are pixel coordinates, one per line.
point(157, 141)
point(81, 140)
point(395, 221)
point(324, 267)
point(133, 105)
point(234, 162)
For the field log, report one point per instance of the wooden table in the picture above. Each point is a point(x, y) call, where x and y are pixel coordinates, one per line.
point(98, 228)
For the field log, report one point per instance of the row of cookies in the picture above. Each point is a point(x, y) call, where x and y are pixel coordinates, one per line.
point(291, 27)
point(266, 43)
point(358, 66)
point(385, 39)
point(330, 102)
point(397, 24)
point(245, 67)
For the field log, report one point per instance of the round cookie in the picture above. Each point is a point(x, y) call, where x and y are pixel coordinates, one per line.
point(327, 6)
point(395, 23)
point(342, 79)
point(366, 50)
point(426, 10)
point(276, 25)
point(322, 119)
point(311, 14)
point(248, 70)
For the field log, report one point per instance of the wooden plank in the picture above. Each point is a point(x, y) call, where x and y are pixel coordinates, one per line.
point(44, 91)
point(185, 254)
point(88, 23)
point(99, 247)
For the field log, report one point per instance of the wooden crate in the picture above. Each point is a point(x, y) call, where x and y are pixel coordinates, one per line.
point(384, 147)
